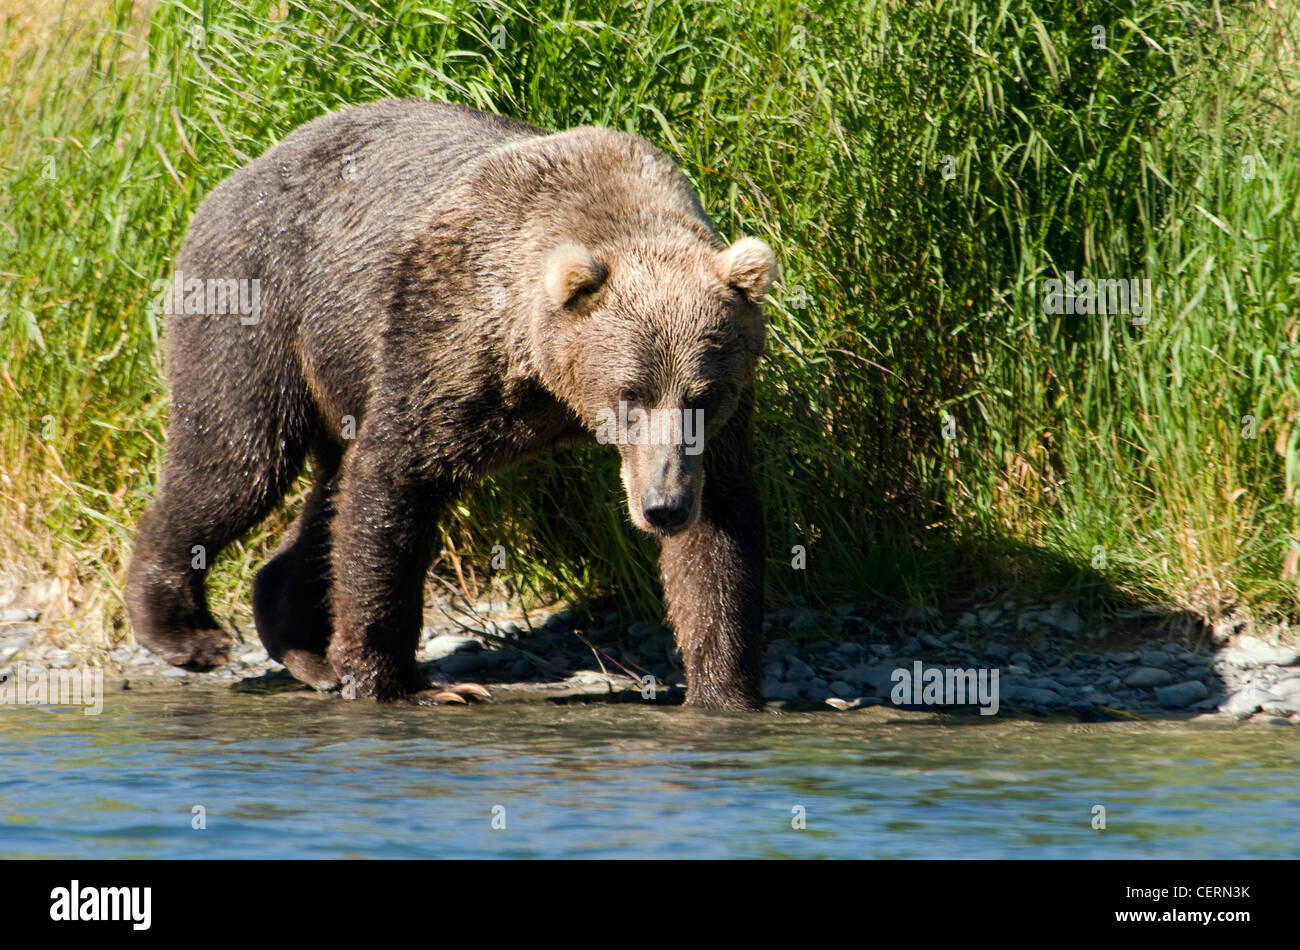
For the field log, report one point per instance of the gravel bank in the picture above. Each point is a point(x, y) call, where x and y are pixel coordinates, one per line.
point(843, 660)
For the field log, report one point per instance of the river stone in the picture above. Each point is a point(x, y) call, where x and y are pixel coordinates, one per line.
point(779, 648)
point(860, 673)
point(796, 670)
point(1244, 702)
point(879, 678)
point(1027, 620)
point(918, 614)
point(842, 689)
point(447, 644)
point(1147, 676)
point(1251, 652)
point(1063, 619)
point(855, 627)
point(776, 690)
point(1157, 658)
point(1044, 682)
point(588, 678)
point(1287, 686)
point(1029, 695)
point(805, 622)
point(459, 663)
point(1181, 694)
point(1266, 653)
point(1282, 707)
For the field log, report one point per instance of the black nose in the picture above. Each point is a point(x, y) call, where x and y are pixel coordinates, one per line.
point(664, 511)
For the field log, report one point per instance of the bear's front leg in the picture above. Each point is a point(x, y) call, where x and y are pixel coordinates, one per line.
point(383, 541)
point(713, 578)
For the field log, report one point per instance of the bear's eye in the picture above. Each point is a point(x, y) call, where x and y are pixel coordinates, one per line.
point(705, 400)
point(629, 396)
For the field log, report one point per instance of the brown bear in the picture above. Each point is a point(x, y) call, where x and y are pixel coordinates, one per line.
point(418, 295)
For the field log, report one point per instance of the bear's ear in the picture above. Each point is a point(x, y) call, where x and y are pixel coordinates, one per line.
point(750, 266)
point(570, 270)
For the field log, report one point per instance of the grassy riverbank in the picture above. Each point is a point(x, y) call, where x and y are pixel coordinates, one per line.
point(928, 431)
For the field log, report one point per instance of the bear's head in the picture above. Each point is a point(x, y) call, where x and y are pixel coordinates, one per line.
point(652, 344)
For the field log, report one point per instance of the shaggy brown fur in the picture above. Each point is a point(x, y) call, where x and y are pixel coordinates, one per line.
point(471, 291)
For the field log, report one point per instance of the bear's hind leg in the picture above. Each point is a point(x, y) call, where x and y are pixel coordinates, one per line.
point(291, 594)
point(224, 469)
point(195, 514)
point(165, 599)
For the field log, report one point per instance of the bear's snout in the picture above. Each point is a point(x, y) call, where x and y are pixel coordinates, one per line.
point(663, 486)
point(666, 512)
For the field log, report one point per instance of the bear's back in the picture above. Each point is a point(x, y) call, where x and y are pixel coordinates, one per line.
point(318, 221)
point(342, 179)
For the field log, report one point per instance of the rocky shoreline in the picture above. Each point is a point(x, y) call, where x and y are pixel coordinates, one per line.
point(834, 661)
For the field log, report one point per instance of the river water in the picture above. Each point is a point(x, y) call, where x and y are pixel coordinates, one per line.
point(301, 776)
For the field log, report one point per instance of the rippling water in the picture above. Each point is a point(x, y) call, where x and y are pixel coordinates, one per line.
point(300, 776)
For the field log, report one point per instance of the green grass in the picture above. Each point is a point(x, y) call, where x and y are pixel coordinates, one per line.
point(921, 168)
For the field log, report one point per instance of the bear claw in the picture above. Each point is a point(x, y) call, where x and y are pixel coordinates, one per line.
point(460, 694)
point(471, 689)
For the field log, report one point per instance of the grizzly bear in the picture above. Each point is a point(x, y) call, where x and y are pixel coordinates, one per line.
point(431, 294)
